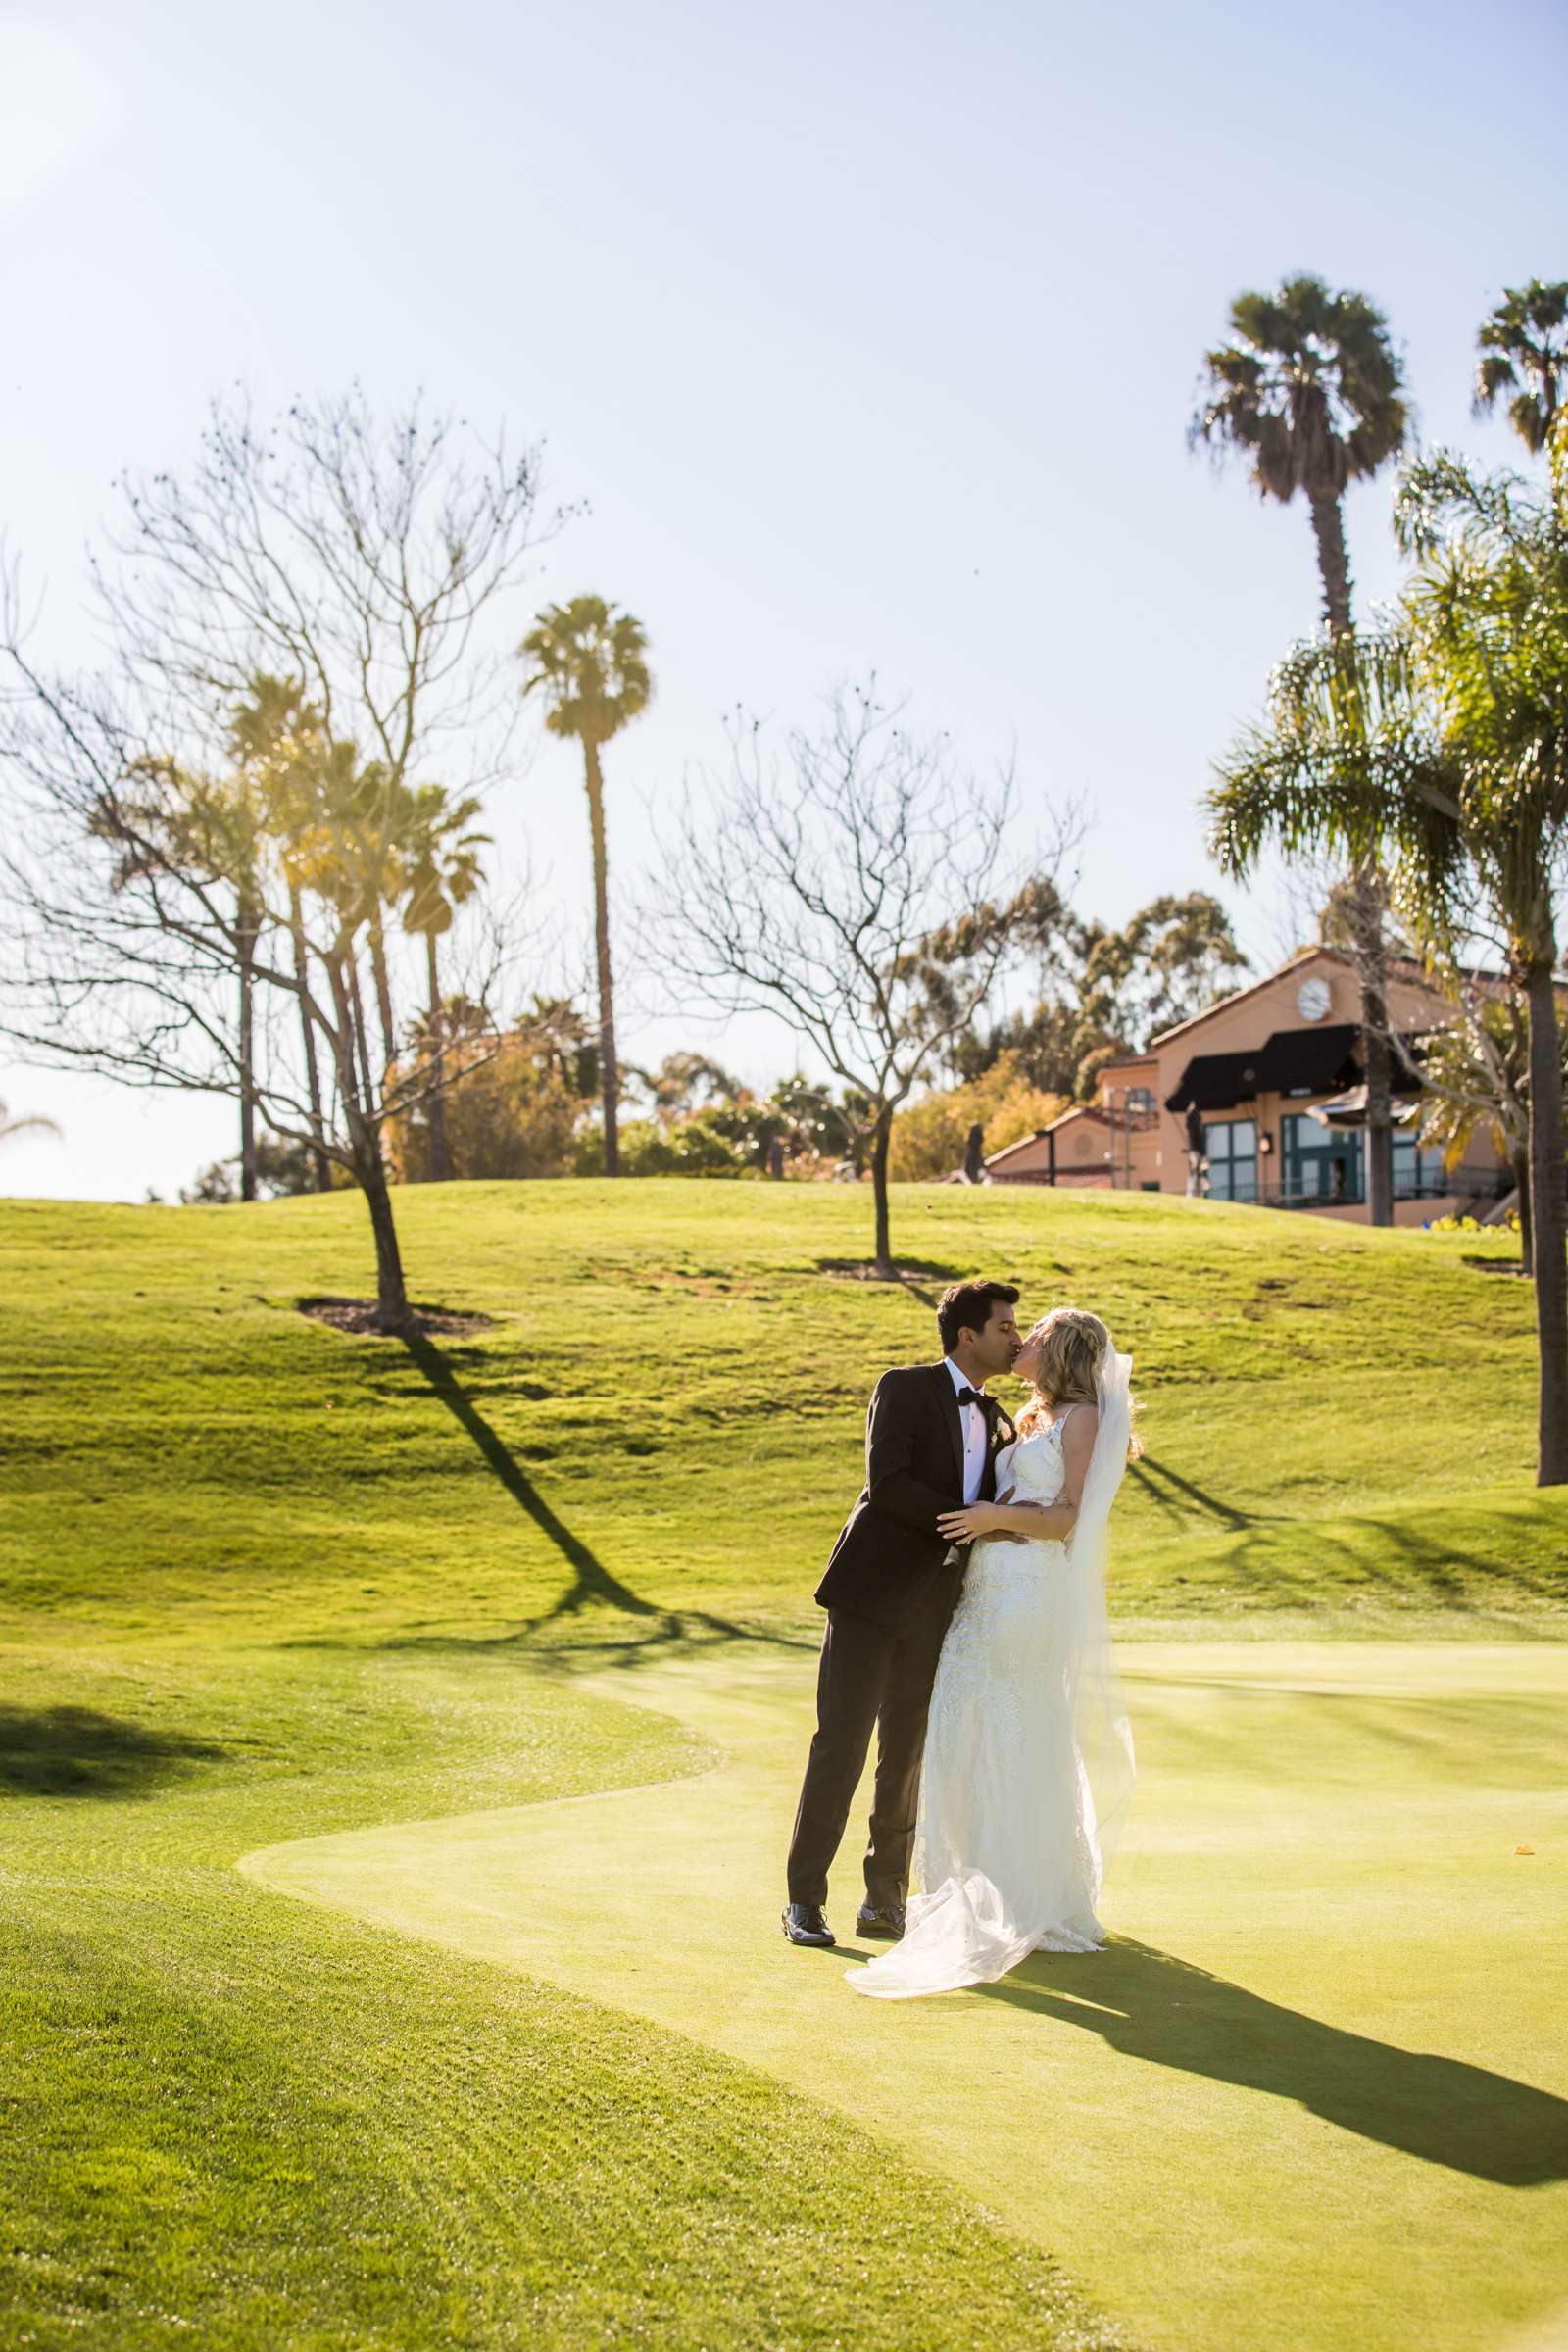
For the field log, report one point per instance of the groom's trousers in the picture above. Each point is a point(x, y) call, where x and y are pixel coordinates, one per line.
point(869, 1677)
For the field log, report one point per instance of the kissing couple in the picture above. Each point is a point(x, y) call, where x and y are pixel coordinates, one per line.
point(966, 1621)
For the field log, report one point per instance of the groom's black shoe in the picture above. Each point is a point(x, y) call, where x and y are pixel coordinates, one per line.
point(880, 1919)
point(804, 1923)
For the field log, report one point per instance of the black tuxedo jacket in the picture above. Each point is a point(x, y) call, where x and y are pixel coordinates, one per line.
point(889, 1560)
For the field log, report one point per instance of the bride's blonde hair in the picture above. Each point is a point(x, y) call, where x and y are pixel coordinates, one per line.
point(1073, 1345)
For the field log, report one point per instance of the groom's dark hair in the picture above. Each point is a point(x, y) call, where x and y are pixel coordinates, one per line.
point(967, 1307)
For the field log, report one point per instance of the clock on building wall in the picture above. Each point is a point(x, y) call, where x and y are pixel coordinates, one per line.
point(1313, 998)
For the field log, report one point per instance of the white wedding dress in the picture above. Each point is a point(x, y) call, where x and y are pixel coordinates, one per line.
point(1028, 1762)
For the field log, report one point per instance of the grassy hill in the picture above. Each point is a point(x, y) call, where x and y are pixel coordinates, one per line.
point(259, 1579)
point(664, 1419)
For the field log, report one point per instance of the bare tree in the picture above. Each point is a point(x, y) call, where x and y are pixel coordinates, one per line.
point(844, 887)
point(356, 556)
point(135, 948)
point(362, 563)
point(353, 565)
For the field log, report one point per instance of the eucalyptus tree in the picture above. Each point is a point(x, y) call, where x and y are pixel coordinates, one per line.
point(1524, 358)
point(1440, 742)
point(589, 663)
point(442, 871)
point(1309, 392)
point(1170, 961)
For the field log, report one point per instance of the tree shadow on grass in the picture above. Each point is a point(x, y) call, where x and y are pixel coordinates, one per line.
point(593, 1588)
point(1152, 2006)
point(903, 1276)
point(1170, 1489)
point(1387, 1560)
point(75, 1752)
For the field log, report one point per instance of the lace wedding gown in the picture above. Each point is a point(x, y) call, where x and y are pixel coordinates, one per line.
point(1028, 1755)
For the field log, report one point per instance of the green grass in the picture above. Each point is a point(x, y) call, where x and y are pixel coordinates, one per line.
point(236, 2122)
point(1313, 2093)
point(1332, 1418)
point(259, 1581)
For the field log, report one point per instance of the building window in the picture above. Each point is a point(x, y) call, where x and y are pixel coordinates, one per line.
point(1318, 1162)
point(1230, 1147)
point(1139, 1102)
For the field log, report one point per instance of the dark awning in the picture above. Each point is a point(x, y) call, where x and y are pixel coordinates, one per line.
point(1292, 1062)
point(1309, 1062)
point(1216, 1081)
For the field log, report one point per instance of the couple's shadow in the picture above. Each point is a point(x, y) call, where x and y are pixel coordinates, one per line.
point(1160, 2009)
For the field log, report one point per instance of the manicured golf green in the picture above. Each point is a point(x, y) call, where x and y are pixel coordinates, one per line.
point(1315, 2094)
point(547, 2072)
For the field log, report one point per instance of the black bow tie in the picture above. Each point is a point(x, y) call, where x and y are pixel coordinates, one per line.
point(987, 1404)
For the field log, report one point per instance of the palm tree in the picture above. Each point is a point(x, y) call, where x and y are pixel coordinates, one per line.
point(590, 663)
point(1310, 391)
point(210, 828)
point(442, 870)
point(1524, 353)
point(1488, 609)
point(279, 739)
point(1442, 742)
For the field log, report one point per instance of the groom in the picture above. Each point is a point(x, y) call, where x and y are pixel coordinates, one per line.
point(932, 1437)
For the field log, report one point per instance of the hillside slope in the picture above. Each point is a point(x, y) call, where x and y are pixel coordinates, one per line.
point(665, 1416)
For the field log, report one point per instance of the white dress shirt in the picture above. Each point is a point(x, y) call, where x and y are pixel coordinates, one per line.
point(975, 1434)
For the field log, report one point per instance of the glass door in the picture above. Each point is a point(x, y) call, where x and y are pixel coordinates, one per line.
point(1318, 1162)
point(1230, 1147)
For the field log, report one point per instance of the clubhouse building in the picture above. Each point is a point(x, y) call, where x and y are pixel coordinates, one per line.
point(1264, 1098)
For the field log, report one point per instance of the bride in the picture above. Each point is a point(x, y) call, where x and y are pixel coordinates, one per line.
point(1028, 1754)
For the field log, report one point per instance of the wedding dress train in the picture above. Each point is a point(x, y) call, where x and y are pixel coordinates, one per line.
point(1028, 1758)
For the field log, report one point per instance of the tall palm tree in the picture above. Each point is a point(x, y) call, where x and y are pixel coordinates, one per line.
point(1441, 742)
point(442, 870)
point(279, 739)
point(1310, 391)
point(1524, 353)
point(590, 663)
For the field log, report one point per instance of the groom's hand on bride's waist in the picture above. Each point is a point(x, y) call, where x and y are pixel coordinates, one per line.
point(975, 1520)
point(1013, 1535)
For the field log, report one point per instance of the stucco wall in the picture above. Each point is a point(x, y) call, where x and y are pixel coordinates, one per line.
point(1157, 1153)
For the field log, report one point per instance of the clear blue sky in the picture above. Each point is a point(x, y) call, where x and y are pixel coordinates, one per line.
point(870, 332)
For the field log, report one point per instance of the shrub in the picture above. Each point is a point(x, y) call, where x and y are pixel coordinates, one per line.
point(929, 1137)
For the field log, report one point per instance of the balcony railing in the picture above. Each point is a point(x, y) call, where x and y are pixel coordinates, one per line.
point(1462, 1183)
